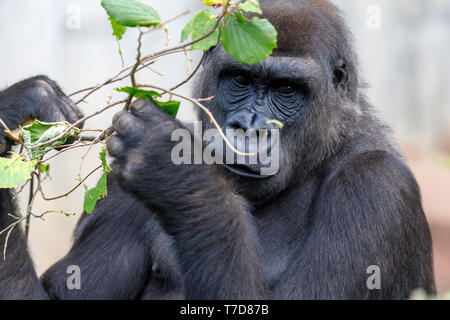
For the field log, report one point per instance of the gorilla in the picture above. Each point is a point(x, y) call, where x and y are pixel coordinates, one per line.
point(342, 202)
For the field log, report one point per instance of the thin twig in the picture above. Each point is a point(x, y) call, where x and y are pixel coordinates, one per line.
point(11, 225)
point(163, 24)
point(69, 147)
point(7, 238)
point(83, 158)
point(205, 99)
point(22, 187)
point(191, 75)
point(111, 80)
point(9, 132)
point(189, 60)
point(30, 203)
point(133, 71)
point(71, 190)
point(156, 71)
point(77, 123)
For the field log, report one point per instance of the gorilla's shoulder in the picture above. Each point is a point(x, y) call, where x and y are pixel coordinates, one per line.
point(376, 170)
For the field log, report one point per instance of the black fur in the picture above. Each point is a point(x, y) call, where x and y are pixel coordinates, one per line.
point(41, 98)
point(343, 199)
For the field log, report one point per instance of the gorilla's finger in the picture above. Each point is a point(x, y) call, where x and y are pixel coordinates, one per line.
point(126, 124)
point(115, 146)
point(143, 109)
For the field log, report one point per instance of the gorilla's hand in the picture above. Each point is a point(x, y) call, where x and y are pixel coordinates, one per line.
point(34, 98)
point(142, 150)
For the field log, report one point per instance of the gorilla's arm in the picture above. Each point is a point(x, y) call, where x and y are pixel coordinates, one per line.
point(18, 279)
point(40, 98)
point(112, 248)
point(368, 212)
point(214, 235)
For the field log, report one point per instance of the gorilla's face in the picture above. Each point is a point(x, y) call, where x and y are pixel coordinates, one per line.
point(309, 84)
point(246, 100)
point(249, 98)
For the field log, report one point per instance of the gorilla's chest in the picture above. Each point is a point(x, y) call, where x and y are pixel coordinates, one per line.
point(282, 227)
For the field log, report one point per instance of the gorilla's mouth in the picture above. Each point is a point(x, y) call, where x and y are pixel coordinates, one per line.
point(246, 171)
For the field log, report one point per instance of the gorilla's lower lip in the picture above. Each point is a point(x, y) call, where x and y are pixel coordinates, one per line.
point(244, 171)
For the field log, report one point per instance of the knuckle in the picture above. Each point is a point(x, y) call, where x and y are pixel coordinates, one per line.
point(122, 119)
point(114, 146)
point(140, 104)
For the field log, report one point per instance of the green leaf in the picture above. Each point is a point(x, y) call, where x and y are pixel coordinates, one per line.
point(251, 6)
point(187, 30)
point(44, 168)
point(15, 170)
point(248, 41)
point(131, 13)
point(139, 93)
point(102, 156)
point(212, 2)
point(118, 29)
point(91, 196)
point(171, 107)
point(40, 132)
point(202, 23)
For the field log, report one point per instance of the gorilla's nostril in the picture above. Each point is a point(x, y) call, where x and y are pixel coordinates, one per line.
point(233, 125)
point(246, 120)
point(252, 122)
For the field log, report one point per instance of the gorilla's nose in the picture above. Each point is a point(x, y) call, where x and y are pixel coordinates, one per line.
point(246, 131)
point(246, 120)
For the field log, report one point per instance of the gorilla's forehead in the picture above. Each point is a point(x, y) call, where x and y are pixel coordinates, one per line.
point(273, 67)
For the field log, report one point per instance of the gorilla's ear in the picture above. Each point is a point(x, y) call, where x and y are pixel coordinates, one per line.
point(341, 76)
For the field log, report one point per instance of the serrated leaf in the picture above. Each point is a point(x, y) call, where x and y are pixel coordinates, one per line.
point(131, 13)
point(118, 29)
point(202, 23)
point(15, 170)
point(102, 156)
point(251, 6)
point(40, 132)
point(248, 41)
point(91, 196)
point(171, 107)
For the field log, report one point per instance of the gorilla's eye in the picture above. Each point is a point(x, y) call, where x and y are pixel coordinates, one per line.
point(242, 80)
point(286, 90)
